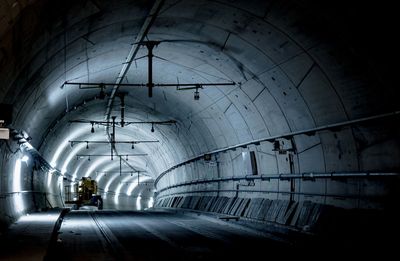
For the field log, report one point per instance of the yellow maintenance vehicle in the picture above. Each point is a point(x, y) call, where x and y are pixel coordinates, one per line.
point(84, 193)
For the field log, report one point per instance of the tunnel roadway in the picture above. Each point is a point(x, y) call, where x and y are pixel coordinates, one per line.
point(172, 235)
point(155, 235)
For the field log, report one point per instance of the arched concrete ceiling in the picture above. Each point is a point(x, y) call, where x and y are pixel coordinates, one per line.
point(290, 74)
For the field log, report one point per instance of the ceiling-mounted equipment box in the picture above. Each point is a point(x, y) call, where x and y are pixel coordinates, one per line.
point(4, 134)
point(5, 114)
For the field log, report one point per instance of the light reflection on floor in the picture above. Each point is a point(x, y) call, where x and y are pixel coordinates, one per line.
point(38, 217)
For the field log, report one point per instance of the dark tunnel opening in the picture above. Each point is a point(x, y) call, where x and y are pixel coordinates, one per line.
point(197, 128)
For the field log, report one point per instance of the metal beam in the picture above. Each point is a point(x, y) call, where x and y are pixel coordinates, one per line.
point(108, 142)
point(123, 123)
point(101, 85)
point(121, 155)
point(148, 22)
point(122, 172)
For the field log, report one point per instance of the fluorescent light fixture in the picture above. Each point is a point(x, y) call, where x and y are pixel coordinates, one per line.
point(151, 202)
point(110, 181)
point(60, 149)
point(134, 185)
point(104, 171)
point(18, 201)
point(71, 155)
point(118, 190)
point(50, 176)
point(138, 202)
point(94, 166)
point(64, 144)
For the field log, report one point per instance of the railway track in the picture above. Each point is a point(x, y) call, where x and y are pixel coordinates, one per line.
point(112, 244)
point(102, 233)
point(124, 235)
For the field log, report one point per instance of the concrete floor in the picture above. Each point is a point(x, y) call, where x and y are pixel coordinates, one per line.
point(133, 235)
point(129, 235)
point(157, 235)
point(29, 237)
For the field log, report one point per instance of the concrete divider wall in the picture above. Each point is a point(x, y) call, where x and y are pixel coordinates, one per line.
point(304, 215)
point(330, 222)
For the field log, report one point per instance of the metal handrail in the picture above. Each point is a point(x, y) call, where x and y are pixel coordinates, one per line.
point(304, 176)
point(289, 135)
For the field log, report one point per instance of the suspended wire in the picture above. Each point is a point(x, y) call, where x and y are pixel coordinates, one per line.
point(65, 66)
point(87, 62)
point(192, 69)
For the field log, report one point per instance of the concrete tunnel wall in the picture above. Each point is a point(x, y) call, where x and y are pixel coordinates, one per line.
point(298, 67)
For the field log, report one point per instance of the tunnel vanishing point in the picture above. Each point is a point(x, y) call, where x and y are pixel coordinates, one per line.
point(278, 116)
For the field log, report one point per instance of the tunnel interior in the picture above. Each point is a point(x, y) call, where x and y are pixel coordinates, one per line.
point(290, 107)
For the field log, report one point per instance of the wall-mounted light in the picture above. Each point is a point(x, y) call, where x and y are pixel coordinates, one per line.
point(152, 127)
point(133, 146)
point(92, 130)
point(87, 145)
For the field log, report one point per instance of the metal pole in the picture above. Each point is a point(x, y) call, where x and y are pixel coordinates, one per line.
point(120, 165)
point(113, 137)
point(150, 83)
point(122, 97)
